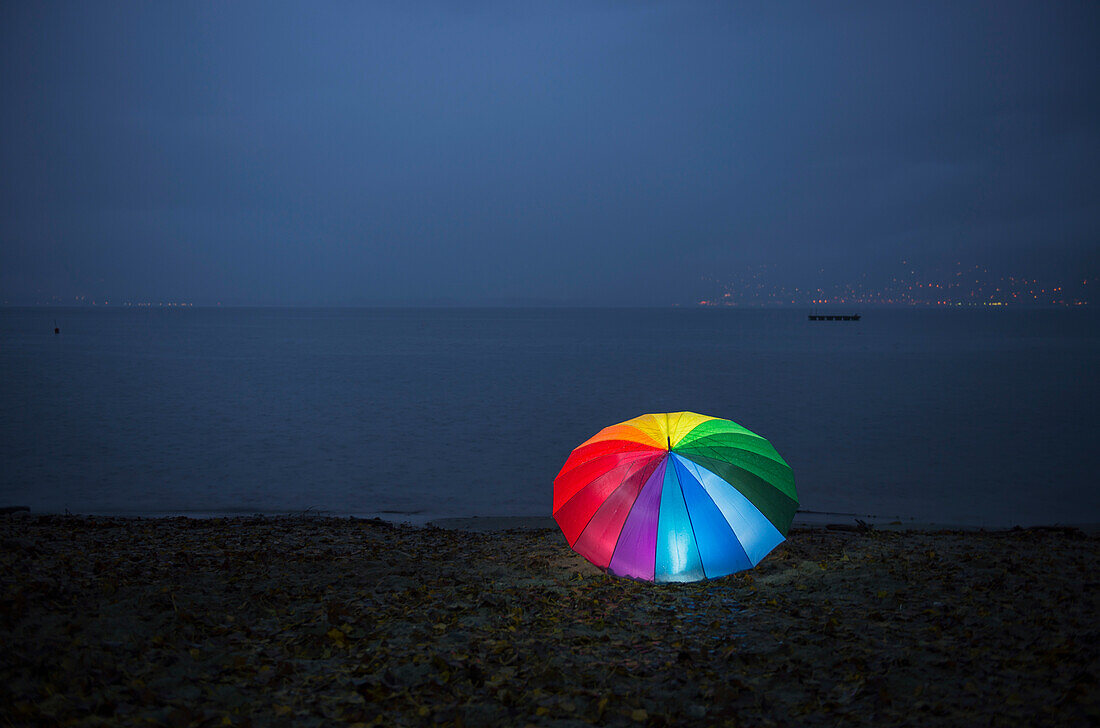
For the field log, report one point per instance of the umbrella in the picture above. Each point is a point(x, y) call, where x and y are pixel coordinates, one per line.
point(675, 497)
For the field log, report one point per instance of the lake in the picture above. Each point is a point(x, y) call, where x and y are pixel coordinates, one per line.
point(971, 416)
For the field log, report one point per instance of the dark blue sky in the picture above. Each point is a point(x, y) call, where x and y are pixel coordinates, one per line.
point(337, 153)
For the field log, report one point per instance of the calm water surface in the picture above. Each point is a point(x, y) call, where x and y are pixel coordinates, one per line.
point(945, 416)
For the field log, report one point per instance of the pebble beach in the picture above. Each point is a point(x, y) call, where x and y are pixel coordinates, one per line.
point(312, 621)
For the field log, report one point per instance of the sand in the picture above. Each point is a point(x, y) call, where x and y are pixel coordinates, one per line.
point(322, 621)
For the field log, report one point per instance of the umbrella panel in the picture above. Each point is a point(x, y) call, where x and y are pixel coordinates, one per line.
point(677, 550)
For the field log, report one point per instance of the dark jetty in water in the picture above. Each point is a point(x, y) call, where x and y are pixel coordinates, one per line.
point(834, 317)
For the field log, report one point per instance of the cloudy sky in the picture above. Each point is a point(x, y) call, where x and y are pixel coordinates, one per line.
point(596, 152)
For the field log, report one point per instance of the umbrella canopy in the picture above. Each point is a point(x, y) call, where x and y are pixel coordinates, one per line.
point(675, 497)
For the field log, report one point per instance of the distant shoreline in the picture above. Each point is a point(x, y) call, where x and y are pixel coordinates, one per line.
point(958, 306)
point(809, 520)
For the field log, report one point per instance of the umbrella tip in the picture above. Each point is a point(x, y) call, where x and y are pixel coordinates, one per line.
point(668, 438)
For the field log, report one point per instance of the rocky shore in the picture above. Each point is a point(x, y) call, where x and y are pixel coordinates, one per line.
point(304, 621)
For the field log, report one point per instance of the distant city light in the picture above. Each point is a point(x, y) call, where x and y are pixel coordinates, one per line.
point(751, 287)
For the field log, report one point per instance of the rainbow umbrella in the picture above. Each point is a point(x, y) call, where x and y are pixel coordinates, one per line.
point(675, 497)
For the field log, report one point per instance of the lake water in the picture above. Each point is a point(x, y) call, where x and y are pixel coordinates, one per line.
point(972, 417)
